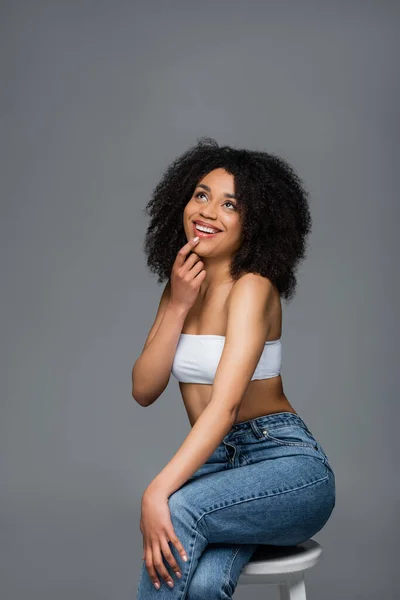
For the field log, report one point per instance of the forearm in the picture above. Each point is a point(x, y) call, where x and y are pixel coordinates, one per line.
point(206, 434)
point(151, 371)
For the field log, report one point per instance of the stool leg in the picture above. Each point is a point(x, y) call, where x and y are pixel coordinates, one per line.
point(294, 588)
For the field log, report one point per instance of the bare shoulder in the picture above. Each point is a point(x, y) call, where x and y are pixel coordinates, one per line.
point(252, 287)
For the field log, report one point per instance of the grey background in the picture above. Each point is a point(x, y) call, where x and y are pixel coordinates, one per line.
point(97, 98)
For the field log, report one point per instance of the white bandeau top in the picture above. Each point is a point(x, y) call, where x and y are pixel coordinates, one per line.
point(197, 357)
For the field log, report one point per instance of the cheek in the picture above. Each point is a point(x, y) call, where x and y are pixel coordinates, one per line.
point(188, 210)
point(236, 229)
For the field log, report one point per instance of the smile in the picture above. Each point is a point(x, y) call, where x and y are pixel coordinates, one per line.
point(204, 232)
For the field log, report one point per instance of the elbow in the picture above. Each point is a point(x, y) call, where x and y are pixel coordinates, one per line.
point(146, 394)
point(141, 399)
point(138, 399)
point(230, 412)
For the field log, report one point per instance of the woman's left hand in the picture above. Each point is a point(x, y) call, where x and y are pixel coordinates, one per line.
point(157, 529)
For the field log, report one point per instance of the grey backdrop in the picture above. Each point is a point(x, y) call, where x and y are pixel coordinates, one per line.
point(97, 98)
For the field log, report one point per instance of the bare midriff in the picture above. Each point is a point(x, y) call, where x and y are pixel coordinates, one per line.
point(262, 396)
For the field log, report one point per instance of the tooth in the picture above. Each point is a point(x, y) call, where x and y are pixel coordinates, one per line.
point(204, 227)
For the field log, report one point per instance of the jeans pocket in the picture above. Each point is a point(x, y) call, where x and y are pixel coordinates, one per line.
point(290, 435)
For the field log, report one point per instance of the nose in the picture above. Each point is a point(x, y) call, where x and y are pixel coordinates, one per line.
point(208, 212)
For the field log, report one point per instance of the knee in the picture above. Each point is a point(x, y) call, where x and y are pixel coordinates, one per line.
point(185, 512)
point(177, 501)
point(179, 507)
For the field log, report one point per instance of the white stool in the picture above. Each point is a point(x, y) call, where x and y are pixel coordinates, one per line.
point(284, 566)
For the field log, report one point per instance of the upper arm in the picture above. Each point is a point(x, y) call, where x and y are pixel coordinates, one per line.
point(165, 296)
point(246, 333)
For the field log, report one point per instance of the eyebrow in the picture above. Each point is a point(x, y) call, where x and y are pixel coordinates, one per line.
point(203, 185)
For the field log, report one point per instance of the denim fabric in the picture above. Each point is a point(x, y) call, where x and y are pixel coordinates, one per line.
point(268, 482)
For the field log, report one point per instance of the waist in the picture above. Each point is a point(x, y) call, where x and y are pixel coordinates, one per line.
point(262, 397)
point(270, 420)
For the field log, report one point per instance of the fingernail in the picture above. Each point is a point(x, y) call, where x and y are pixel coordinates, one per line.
point(178, 574)
point(184, 557)
point(196, 238)
point(157, 585)
point(170, 583)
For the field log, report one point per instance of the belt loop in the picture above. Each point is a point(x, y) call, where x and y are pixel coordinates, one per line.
point(257, 431)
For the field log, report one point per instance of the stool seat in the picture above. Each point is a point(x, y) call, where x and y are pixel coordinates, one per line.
point(283, 565)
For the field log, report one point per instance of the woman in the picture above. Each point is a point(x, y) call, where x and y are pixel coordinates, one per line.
point(228, 228)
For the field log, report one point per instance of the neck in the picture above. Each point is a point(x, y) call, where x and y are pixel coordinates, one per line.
point(217, 274)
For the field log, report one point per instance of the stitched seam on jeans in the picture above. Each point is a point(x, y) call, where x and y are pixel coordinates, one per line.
point(242, 454)
point(229, 569)
point(190, 558)
point(289, 443)
point(325, 478)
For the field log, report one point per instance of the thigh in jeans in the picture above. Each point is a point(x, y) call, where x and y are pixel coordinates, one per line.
point(219, 567)
point(268, 483)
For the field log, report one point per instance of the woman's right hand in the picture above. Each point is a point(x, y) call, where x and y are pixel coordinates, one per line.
point(186, 277)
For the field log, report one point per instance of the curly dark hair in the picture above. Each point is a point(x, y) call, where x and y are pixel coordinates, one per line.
point(272, 204)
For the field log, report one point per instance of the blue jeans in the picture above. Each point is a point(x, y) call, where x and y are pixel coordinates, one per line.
point(268, 482)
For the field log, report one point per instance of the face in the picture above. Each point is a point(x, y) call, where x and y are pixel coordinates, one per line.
point(213, 202)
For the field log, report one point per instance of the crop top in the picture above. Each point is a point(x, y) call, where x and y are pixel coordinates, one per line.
point(197, 357)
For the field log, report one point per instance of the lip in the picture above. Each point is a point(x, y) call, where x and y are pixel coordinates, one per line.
point(202, 234)
point(200, 222)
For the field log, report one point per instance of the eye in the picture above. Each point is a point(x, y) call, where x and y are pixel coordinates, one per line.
point(229, 202)
point(203, 194)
